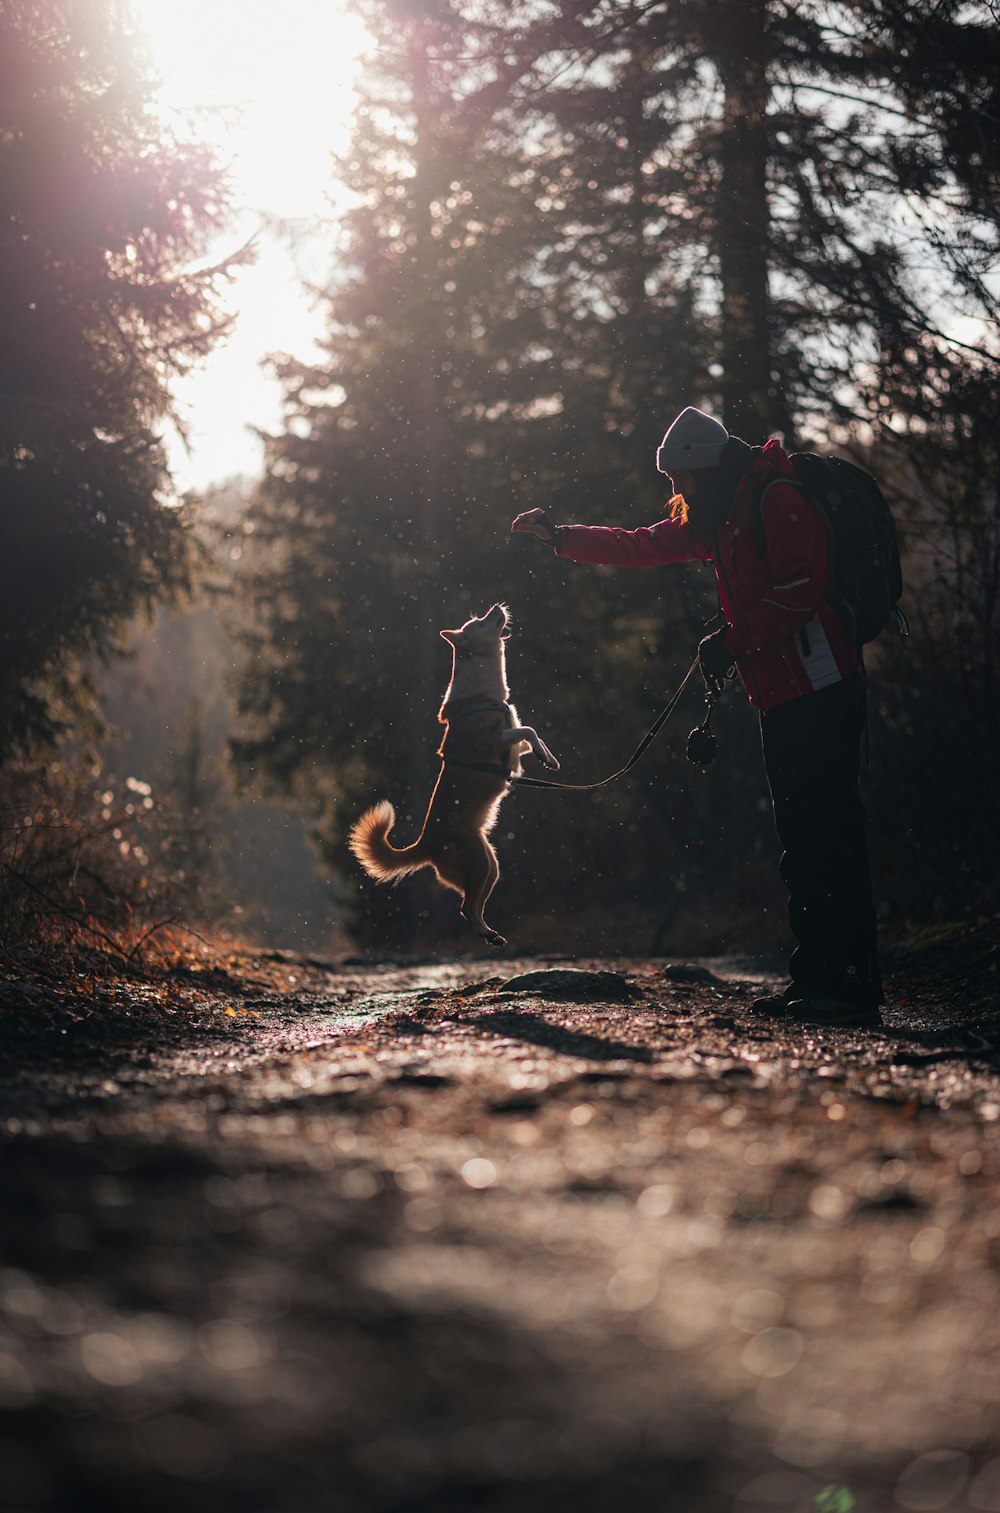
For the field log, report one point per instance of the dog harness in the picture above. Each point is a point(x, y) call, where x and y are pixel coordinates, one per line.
point(481, 706)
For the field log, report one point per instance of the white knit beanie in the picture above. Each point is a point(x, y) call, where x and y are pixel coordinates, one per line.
point(694, 440)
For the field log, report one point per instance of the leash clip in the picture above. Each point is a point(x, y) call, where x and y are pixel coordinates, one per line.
point(702, 745)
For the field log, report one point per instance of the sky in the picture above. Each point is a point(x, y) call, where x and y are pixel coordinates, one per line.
point(270, 84)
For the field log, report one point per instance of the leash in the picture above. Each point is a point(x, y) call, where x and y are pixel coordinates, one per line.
point(653, 730)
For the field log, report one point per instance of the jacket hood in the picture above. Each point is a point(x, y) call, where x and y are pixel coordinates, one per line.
point(770, 461)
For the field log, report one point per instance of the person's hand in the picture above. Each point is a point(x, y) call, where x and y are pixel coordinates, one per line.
point(716, 662)
point(535, 523)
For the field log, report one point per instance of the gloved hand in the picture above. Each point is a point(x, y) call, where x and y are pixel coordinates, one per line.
point(536, 523)
point(717, 664)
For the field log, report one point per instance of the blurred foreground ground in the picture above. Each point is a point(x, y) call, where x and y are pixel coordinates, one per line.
point(293, 1238)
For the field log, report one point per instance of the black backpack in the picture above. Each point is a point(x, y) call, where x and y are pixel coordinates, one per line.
point(865, 575)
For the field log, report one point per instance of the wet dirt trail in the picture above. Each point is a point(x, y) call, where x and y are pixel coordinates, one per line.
point(288, 1237)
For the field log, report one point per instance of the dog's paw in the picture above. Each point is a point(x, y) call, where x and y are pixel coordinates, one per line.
point(551, 762)
point(493, 937)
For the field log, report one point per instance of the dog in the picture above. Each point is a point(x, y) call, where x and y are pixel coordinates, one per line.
point(481, 751)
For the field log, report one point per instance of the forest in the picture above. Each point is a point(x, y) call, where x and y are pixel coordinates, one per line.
point(565, 220)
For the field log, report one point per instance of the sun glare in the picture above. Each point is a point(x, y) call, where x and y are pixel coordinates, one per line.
point(271, 87)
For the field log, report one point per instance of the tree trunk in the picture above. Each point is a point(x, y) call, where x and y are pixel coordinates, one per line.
point(424, 908)
point(639, 266)
point(751, 406)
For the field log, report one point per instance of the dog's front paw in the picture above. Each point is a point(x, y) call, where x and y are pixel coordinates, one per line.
point(494, 938)
point(549, 761)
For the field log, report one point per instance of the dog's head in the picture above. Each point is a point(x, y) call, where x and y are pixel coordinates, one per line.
point(480, 637)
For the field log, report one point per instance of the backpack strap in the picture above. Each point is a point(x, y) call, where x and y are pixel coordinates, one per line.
point(757, 513)
point(819, 508)
point(814, 503)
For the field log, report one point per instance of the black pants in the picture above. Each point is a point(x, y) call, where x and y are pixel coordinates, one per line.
point(812, 755)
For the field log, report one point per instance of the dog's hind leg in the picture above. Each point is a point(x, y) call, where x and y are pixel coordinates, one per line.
point(482, 876)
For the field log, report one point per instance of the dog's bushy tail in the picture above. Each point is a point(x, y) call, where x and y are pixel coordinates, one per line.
point(369, 842)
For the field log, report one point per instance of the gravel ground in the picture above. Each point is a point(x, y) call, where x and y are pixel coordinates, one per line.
point(293, 1237)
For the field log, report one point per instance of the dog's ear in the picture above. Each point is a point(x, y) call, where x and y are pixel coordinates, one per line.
point(451, 636)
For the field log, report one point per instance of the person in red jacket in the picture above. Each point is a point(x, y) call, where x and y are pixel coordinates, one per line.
point(799, 668)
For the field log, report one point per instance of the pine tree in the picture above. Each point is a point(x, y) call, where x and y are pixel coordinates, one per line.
point(469, 372)
point(104, 218)
point(831, 168)
point(371, 504)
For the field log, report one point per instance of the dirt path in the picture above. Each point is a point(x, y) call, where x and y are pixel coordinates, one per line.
point(570, 1235)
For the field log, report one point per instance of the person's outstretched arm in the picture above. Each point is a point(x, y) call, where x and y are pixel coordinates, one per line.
point(657, 545)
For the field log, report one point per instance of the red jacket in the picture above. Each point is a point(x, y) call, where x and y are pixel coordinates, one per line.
point(786, 637)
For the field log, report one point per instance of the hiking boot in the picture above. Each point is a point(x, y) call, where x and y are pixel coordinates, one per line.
point(835, 1013)
point(775, 1005)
